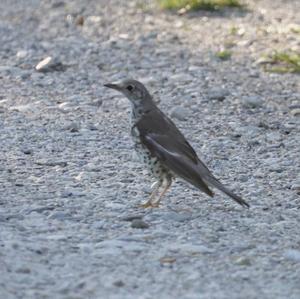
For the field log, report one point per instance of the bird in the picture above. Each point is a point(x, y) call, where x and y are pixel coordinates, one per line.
point(163, 148)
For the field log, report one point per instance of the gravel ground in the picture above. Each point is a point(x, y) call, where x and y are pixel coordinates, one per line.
point(70, 225)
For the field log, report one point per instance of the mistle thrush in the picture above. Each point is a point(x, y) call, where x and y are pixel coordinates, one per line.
point(163, 148)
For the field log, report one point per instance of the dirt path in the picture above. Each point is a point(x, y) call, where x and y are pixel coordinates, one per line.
point(69, 180)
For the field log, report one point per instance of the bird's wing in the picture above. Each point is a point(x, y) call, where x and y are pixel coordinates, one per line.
point(159, 129)
point(177, 157)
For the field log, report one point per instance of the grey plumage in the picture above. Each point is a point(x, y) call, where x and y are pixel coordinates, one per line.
point(163, 147)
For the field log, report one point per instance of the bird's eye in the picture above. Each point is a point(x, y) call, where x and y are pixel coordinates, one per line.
point(129, 87)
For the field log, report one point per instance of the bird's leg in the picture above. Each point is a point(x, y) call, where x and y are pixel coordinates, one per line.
point(167, 186)
point(155, 187)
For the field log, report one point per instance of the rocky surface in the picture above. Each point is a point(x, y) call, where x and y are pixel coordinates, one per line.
point(70, 225)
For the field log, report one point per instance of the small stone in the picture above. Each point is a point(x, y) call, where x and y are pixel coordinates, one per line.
point(167, 260)
point(22, 54)
point(218, 94)
point(27, 151)
point(252, 102)
point(52, 163)
point(4, 69)
point(72, 192)
point(23, 108)
point(92, 127)
point(43, 64)
point(59, 215)
point(182, 11)
point(93, 167)
point(243, 261)
point(139, 223)
point(81, 176)
point(132, 217)
point(23, 270)
point(181, 78)
point(73, 127)
point(64, 106)
point(57, 4)
point(119, 283)
point(41, 209)
point(295, 112)
point(93, 19)
point(296, 185)
point(263, 60)
point(49, 65)
point(243, 178)
point(180, 113)
point(19, 184)
point(81, 285)
point(194, 68)
point(15, 216)
point(254, 74)
point(292, 255)
point(295, 106)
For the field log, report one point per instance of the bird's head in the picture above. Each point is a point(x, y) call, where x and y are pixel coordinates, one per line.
point(134, 90)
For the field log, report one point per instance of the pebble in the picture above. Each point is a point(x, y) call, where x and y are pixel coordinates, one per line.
point(218, 94)
point(181, 78)
point(139, 223)
point(132, 217)
point(52, 163)
point(179, 113)
point(24, 108)
point(43, 64)
point(49, 64)
point(27, 151)
point(119, 283)
point(296, 185)
point(73, 127)
point(59, 215)
point(252, 102)
point(254, 74)
point(167, 260)
point(242, 261)
point(22, 54)
point(250, 131)
point(23, 270)
point(195, 69)
point(292, 255)
point(295, 112)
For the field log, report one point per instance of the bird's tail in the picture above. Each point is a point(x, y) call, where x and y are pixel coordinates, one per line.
point(214, 182)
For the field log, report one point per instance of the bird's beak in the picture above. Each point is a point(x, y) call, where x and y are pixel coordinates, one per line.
point(113, 86)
